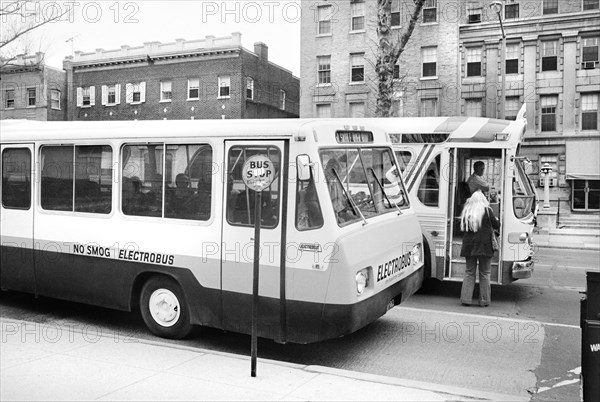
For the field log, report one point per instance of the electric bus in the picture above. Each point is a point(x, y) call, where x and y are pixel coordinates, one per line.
point(155, 216)
point(437, 156)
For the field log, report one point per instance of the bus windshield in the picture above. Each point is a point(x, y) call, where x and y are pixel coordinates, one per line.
point(524, 201)
point(362, 182)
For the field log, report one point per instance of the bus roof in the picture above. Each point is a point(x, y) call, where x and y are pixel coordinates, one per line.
point(30, 130)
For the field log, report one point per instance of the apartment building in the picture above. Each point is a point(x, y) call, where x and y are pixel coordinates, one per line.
point(32, 90)
point(211, 78)
point(451, 66)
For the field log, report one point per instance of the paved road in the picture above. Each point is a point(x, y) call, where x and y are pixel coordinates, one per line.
point(526, 343)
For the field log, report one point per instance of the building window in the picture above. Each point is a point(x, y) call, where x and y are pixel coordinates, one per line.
point(324, 69)
point(357, 109)
point(550, 56)
point(396, 13)
point(511, 11)
point(589, 59)
point(31, 97)
point(224, 86)
point(358, 15)
point(473, 108)
point(166, 91)
point(511, 108)
point(357, 62)
point(282, 96)
point(549, 104)
point(512, 58)
point(55, 99)
point(428, 107)
point(396, 73)
point(135, 92)
point(591, 4)
point(193, 88)
point(474, 13)
point(589, 111)
point(323, 110)
point(429, 60)
point(474, 62)
point(249, 88)
point(324, 14)
point(111, 94)
point(86, 96)
point(550, 7)
point(430, 11)
point(9, 97)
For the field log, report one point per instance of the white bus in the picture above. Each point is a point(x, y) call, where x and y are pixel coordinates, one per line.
point(437, 157)
point(154, 215)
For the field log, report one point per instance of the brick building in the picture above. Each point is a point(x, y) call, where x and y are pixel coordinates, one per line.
point(32, 90)
point(451, 66)
point(212, 78)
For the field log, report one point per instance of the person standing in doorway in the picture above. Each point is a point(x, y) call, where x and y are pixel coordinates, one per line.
point(477, 221)
point(476, 180)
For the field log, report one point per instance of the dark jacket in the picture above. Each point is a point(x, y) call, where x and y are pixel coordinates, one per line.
point(480, 243)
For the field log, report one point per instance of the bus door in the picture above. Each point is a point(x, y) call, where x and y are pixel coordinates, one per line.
point(16, 218)
point(462, 163)
point(237, 245)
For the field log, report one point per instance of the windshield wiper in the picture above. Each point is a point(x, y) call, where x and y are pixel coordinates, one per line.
point(383, 191)
point(354, 207)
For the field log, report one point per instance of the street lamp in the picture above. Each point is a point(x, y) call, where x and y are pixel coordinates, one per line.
point(497, 7)
point(546, 170)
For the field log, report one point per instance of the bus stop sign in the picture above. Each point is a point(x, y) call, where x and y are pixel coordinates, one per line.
point(258, 172)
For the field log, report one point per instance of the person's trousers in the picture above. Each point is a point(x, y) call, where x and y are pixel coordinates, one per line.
point(468, 285)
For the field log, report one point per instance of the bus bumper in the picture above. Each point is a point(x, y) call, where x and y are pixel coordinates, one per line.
point(522, 269)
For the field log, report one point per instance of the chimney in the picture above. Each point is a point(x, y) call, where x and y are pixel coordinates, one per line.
point(262, 51)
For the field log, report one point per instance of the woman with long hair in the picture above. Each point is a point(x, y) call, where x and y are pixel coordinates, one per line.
point(477, 221)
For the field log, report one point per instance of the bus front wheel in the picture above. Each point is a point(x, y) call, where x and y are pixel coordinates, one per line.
point(164, 308)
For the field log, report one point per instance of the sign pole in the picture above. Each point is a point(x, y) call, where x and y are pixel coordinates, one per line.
point(258, 173)
point(254, 341)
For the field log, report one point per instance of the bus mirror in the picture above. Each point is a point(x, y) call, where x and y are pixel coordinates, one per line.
point(303, 167)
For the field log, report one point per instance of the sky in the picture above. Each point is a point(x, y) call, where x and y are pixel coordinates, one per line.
point(108, 24)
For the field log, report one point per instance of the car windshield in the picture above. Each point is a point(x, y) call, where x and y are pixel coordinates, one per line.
point(362, 182)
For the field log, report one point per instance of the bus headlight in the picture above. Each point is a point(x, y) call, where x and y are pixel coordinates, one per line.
point(416, 254)
point(362, 281)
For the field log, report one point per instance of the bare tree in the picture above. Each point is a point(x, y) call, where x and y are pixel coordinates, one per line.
point(389, 50)
point(19, 18)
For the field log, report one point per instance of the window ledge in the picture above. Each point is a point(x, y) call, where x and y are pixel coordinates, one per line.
point(166, 101)
point(55, 108)
point(136, 103)
point(110, 104)
point(324, 85)
point(224, 97)
point(358, 31)
point(426, 24)
point(192, 99)
point(325, 35)
point(428, 78)
point(30, 107)
point(356, 83)
point(85, 106)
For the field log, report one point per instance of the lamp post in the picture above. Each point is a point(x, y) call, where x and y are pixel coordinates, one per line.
point(546, 170)
point(497, 7)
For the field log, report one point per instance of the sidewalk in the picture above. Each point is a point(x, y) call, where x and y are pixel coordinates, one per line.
point(51, 362)
point(581, 239)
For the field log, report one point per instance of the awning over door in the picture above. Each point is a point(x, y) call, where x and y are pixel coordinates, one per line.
point(583, 160)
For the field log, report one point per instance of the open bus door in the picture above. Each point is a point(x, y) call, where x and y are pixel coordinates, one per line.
point(460, 168)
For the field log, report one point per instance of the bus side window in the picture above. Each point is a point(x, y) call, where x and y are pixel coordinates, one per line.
point(429, 190)
point(16, 178)
point(308, 209)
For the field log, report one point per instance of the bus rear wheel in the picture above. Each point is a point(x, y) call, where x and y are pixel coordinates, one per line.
point(164, 308)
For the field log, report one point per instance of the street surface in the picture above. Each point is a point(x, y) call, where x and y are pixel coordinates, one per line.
point(527, 343)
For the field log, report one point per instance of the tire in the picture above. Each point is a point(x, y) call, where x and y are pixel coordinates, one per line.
point(164, 308)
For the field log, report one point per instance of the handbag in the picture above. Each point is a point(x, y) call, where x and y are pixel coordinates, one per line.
point(494, 235)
